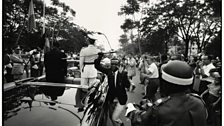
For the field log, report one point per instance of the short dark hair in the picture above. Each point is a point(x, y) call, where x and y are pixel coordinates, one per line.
point(164, 57)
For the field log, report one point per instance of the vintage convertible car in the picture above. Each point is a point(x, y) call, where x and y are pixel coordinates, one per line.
point(34, 102)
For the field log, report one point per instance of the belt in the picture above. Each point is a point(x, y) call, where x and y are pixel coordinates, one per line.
point(17, 63)
point(87, 63)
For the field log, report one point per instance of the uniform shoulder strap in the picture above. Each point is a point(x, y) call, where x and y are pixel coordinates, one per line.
point(161, 101)
point(197, 96)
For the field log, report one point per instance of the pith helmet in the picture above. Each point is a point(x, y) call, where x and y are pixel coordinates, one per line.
point(177, 72)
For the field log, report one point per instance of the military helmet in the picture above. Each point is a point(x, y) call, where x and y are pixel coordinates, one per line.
point(177, 72)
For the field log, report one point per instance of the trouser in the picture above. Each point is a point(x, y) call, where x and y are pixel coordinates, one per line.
point(117, 111)
point(142, 79)
point(132, 86)
point(152, 88)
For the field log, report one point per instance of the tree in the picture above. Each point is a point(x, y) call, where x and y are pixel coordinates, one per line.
point(186, 18)
point(132, 9)
point(215, 47)
point(14, 25)
point(123, 40)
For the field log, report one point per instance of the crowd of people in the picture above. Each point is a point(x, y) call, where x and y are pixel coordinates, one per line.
point(20, 64)
point(195, 80)
point(174, 88)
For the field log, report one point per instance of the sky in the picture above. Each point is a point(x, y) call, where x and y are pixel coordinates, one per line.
point(100, 16)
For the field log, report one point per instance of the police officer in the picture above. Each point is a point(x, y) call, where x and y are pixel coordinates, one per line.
point(178, 107)
point(87, 57)
point(87, 68)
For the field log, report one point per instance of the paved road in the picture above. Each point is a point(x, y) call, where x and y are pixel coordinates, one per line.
point(133, 97)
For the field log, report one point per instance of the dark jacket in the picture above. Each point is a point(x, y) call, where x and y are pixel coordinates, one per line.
point(55, 66)
point(122, 82)
point(175, 110)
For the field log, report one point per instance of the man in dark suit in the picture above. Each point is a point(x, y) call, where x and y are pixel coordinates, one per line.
point(55, 65)
point(118, 82)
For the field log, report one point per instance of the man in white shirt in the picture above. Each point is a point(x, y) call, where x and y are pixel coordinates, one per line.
point(152, 75)
point(205, 68)
point(206, 65)
point(88, 71)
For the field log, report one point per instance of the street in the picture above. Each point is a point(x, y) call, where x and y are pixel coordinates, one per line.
point(133, 97)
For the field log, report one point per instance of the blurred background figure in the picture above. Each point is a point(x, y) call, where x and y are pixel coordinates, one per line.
point(18, 64)
point(131, 68)
point(35, 62)
point(7, 66)
point(55, 65)
point(152, 79)
point(212, 98)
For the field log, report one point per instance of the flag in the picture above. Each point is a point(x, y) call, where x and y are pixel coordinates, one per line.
point(45, 43)
point(31, 17)
point(43, 17)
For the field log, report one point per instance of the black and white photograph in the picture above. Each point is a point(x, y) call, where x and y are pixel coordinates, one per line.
point(111, 62)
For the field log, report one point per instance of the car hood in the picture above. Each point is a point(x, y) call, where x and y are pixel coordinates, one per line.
point(41, 106)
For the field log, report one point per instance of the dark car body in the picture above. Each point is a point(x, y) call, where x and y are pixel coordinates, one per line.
point(28, 105)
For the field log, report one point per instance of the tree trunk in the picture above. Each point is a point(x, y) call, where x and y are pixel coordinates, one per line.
point(186, 48)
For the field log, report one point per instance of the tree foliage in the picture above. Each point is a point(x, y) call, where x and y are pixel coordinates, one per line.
point(215, 47)
point(58, 23)
point(123, 40)
point(190, 20)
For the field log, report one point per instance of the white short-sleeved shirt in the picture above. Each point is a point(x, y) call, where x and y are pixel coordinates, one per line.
point(207, 68)
point(153, 69)
point(88, 55)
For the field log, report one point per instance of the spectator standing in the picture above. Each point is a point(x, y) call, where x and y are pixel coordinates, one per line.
point(55, 65)
point(131, 68)
point(206, 65)
point(204, 68)
point(142, 66)
point(41, 64)
point(212, 97)
point(152, 75)
point(18, 66)
point(35, 64)
point(8, 65)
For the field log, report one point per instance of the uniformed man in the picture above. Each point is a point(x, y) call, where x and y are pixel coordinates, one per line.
point(178, 107)
point(87, 68)
point(87, 57)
